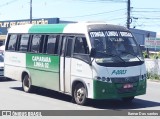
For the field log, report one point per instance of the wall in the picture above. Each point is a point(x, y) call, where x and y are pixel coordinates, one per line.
point(153, 65)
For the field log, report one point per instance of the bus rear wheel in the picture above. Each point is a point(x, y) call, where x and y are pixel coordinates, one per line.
point(79, 94)
point(26, 84)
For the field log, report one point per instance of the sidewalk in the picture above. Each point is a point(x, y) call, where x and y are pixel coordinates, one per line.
point(153, 80)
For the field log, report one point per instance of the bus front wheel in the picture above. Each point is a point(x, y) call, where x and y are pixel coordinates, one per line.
point(80, 94)
point(26, 84)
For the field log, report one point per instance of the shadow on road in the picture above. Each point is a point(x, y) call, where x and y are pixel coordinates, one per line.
point(118, 104)
point(6, 80)
point(99, 104)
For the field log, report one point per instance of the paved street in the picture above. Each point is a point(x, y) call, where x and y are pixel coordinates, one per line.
point(13, 98)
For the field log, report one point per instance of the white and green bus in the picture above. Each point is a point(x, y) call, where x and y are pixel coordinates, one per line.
point(78, 59)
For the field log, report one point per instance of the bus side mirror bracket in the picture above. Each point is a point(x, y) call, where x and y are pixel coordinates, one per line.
point(93, 52)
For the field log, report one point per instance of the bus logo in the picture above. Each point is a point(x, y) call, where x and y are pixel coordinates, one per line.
point(119, 72)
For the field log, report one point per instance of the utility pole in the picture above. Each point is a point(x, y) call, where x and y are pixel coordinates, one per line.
point(30, 11)
point(128, 13)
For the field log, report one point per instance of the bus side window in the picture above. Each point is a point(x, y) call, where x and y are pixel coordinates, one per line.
point(23, 46)
point(69, 46)
point(11, 45)
point(80, 45)
point(52, 44)
point(37, 43)
point(62, 46)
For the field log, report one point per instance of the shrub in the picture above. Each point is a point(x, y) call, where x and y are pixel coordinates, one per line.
point(153, 76)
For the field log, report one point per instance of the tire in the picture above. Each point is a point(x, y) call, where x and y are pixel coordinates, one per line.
point(128, 99)
point(26, 84)
point(79, 94)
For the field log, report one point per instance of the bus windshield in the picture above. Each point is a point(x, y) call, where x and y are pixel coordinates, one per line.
point(115, 46)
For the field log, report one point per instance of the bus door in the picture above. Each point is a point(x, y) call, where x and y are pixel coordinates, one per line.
point(65, 63)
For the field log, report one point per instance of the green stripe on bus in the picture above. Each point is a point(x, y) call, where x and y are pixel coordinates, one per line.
point(44, 70)
point(47, 28)
point(104, 90)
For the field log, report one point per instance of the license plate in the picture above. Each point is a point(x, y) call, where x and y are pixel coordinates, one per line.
point(128, 86)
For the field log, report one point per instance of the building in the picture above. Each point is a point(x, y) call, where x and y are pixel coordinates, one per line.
point(4, 25)
point(143, 35)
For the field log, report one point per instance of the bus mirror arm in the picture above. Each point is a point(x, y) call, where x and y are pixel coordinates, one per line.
point(92, 54)
point(91, 62)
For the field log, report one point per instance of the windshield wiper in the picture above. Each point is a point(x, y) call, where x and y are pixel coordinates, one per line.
point(130, 54)
point(113, 55)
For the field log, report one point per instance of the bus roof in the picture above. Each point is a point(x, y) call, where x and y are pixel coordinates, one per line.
point(64, 28)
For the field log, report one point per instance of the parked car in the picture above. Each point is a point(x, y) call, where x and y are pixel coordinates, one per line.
point(1, 66)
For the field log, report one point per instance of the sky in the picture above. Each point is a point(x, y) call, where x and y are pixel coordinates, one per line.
point(145, 14)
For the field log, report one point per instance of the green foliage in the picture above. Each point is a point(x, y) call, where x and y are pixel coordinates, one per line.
point(152, 56)
point(145, 54)
point(153, 76)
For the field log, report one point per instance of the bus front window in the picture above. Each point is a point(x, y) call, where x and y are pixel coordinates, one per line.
point(115, 46)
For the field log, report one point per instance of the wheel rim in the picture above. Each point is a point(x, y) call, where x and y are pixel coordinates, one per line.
point(26, 83)
point(80, 95)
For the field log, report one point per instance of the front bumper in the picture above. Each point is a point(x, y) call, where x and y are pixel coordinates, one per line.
point(105, 90)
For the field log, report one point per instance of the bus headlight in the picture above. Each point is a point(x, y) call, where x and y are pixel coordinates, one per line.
point(98, 78)
point(103, 79)
point(143, 77)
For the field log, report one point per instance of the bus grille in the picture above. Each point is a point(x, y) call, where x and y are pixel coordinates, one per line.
point(125, 80)
point(120, 82)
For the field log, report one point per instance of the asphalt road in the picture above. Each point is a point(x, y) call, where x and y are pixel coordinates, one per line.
point(13, 98)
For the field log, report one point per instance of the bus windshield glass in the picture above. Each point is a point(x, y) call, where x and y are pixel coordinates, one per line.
point(115, 46)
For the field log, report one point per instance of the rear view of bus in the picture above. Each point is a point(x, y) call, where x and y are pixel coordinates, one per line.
point(119, 69)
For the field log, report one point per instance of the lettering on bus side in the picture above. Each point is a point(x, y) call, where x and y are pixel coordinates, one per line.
point(119, 72)
point(42, 62)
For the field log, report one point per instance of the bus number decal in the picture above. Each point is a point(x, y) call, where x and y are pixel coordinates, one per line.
point(119, 72)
